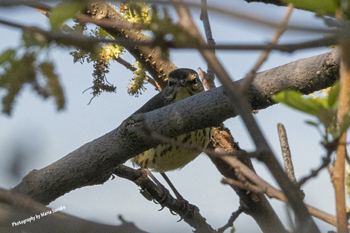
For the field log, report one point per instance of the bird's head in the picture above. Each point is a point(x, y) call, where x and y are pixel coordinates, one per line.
point(183, 83)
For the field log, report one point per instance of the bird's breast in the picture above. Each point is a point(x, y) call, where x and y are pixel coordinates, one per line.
point(172, 156)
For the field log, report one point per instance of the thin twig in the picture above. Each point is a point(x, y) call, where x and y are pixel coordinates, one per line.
point(264, 55)
point(209, 76)
point(287, 157)
point(132, 68)
point(232, 219)
point(325, 162)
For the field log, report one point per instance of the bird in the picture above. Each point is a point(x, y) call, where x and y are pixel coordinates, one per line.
point(182, 83)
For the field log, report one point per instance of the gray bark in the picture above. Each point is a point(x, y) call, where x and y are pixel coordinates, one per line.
point(94, 162)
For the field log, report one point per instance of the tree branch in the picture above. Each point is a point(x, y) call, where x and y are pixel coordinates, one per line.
point(150, 58)
point(287, 157)
point(241, 105)
point(163, 197)
point(339, 163)
point(94, 162)
point(15, 208)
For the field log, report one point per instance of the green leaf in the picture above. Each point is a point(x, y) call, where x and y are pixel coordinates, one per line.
point(312, 123)
point(317, 6)
point(328, 117)
point(53, 84)
point(63, 12)
point(295, 100)
point(5, 56)
point(333, 94)
point(322, 101)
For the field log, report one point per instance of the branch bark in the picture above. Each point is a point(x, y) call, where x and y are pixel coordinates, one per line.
point(94, 162)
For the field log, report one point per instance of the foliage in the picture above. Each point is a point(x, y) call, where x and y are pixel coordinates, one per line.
point(321, 7)
point(347, 182)
point(137, 13)
point(133, 12)
point(324, 109)
point(22, 66)
point(64, 11)
point(136, 83)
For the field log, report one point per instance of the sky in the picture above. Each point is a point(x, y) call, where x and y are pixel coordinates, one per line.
point(42, 135)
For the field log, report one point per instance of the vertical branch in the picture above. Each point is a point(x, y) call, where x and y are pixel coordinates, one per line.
point(287, 157)
point(241, 106)
point(339, 165)
point(208, 79)
point(343, 108)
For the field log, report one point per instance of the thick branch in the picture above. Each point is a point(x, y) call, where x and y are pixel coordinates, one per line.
point(94, 162)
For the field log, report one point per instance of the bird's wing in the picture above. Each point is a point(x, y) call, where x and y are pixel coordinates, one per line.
point(157, 101)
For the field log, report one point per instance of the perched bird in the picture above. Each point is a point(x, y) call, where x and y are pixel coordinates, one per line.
point(182, 83)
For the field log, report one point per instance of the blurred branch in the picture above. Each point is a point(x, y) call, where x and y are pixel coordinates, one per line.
point(339, 163)
point(275, 2)
point(261, 211)
point(16, 208)
point(258, 184)
point(190, 215)
point(188, 25)
point(265, 54)
point(240, 104)
point(208, 77)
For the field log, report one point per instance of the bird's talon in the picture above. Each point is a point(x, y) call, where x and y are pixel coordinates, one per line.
point(155, 202)
point(180, 219)
point(172, 212)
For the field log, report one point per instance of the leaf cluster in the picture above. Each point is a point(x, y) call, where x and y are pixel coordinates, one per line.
point(136, 85)
point(323, 7)
point(21, 68)
point(323, 109)
point(137, 12)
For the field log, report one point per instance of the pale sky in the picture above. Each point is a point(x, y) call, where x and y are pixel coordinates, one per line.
point(47, 135)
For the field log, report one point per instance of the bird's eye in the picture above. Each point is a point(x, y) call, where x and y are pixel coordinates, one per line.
point(194, 81)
